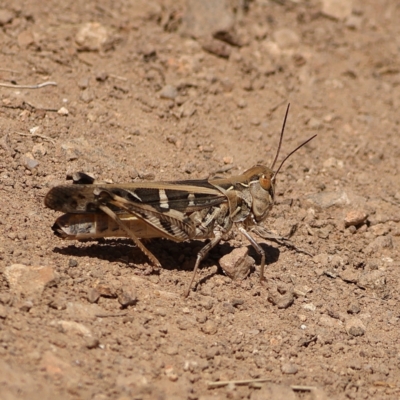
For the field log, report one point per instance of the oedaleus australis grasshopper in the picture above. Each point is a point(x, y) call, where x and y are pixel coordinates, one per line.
point(177, 210)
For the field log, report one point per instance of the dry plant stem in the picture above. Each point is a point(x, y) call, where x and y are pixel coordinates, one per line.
point(301, 388)
point(121, 78)
point(10, 70)
point(217, 384)
point(38, 86)
point(36, 135)
point(110, 315)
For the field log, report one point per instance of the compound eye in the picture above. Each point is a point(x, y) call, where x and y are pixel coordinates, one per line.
point(265, 182)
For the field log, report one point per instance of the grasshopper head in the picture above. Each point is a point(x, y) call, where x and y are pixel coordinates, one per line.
point(262, 189)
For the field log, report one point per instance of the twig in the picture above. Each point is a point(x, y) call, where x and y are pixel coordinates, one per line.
point(121, 78)
point(384, 384)
point(110, 315)
point(301, 388)
point(13, 71)
point(217, 384)
point(38, 86)
point(36, 135)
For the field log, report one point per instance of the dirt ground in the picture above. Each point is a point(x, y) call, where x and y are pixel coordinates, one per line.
point(170, 90)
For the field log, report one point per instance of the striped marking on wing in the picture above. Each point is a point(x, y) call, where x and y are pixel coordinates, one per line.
point(180, 195)
point(172, 224)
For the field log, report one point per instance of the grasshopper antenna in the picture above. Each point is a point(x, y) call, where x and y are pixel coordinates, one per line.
point(281, 138)
point(292, 152)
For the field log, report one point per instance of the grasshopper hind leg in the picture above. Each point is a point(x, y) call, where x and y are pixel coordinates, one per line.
point(131, 234)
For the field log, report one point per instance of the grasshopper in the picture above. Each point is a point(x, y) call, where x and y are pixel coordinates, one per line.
point(177, 210)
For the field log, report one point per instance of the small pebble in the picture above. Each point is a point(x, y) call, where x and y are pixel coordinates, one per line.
point(164, 329)
point(353, 308)
point(210, 327)
point(212, 352)
point(207, 303)
point(171, 139)
point(101, 76)
point(29, 162)
point(355, 218)
point(355, 327)
point(281, 297)
point(241, 103)
point(237, 302)
point(337, 9)
point(63, 111)
point(26, 38)
point(72, 263)
point(329, 322)
point(148, 176)
point(3, 312)
point(216, 47)
point(352, 229)
point(6, 16)
point(349, 275)
point(86, 96)
point(333, 162)
point(91, 342)
point(183, 324)
point(237, 263)
point(160, 312)
point(26, 306)
point(106, 289)
point(38, 150)
point(201, 318)
point(375, 279)
point(228, 160)
point(314, 123)
point(168, 92)
point(309, 307)
point(286, 38)
point(93, 295)
point(227, 84)
point(127, 297)
point(58, 303)
point(91, 36)
point(289, 368)
point(354, 22)
point(171, 350)
point(83, 83)
point(170, 373)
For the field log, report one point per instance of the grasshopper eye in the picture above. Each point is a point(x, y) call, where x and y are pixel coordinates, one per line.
point(265, 182)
